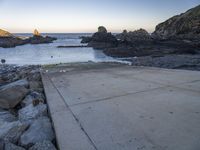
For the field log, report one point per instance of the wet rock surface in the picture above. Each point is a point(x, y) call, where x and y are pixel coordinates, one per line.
point(25, 115)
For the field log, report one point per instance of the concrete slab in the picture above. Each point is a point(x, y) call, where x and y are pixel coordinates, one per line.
point(117, 107)
point(85, 87)
point(69, 133)
point(167, 118)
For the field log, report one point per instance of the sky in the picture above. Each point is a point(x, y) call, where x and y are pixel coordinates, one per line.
point(69, 16)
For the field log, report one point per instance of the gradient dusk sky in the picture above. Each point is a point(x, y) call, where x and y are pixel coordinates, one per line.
point(87, 15)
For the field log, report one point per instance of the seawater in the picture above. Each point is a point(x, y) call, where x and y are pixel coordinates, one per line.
point(50, 54)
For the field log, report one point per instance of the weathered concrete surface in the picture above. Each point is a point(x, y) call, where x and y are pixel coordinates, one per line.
point(118, 107)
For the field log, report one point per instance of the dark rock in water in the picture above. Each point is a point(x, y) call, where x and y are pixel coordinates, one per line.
point(184, 26)
point(8, 40)
point(40, 39)
point(101, 39)
point(4, 33)
point(86, 39)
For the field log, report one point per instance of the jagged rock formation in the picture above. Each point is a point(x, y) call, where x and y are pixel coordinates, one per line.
point(183, 26)
point(36, 33)
point(134, 36)
point(4, 33)
point(101, 39)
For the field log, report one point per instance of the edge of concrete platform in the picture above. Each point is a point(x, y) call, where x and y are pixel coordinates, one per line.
point(68, 131)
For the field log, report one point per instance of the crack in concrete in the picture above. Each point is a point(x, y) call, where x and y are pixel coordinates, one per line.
point(77, 120)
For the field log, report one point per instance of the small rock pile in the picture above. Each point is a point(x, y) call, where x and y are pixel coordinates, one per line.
point(24, 122)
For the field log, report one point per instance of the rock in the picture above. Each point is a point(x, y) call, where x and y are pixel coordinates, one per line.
point(86, 39)
point(33, 98)
point(4, 33)
point(36, 33)
point(2, 144)
point(29, 113)
point(35, 85)
point(6, 116)
point(185, 25)
point(34, 76)
point(7, 42)
point(40, 130)
point(44, 145)
point(102, 29)
point(11, 146)
point(3, 61)
point(14, 133)
point(136, 36)
point(101, 39)
point(41, 39)
point(12, 93)
point(8, 129)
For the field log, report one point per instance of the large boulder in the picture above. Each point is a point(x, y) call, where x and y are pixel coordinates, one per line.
point(184, 26)
point(101, 39)
point(4, 33)
point(40, 130)
point(13, 93)
point(31, 112)
point(11, 131)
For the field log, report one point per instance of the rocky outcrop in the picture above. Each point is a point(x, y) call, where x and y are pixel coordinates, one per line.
point(101, 39)
point(13, 93)
point(4, 33)
point(183, 26)
point(7, 42)
point(136, 36)
point(12, 41)
point(36, 33)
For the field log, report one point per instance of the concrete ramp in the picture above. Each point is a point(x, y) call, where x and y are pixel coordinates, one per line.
point(117, 107)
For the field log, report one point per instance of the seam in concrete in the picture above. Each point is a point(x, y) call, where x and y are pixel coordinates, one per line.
point(77, 120)
point(109, 98)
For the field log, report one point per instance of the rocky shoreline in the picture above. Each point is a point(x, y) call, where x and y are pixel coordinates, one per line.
point(7, 40)
point(24, 119)
point(179, 35)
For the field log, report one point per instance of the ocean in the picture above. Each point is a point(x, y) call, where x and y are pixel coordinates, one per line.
point(49, 53)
